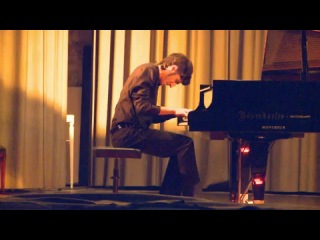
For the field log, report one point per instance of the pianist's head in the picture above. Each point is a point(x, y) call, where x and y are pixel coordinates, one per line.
point(185, 67)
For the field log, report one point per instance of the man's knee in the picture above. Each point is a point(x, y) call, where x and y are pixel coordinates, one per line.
point(188, 141)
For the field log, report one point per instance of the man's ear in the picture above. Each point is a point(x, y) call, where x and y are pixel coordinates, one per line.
point(172, 68)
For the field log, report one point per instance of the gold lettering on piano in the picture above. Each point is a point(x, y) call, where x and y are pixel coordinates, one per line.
point(270, 116)
point(300, 116)
point(261, 116)
point(273, 127)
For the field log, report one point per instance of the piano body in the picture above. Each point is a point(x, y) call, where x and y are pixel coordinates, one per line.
point(253, 114)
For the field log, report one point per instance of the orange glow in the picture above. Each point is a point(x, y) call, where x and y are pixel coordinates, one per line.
point(245, 149)
point(258, 181)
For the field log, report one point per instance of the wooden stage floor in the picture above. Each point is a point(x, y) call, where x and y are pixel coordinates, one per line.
point(82, 198)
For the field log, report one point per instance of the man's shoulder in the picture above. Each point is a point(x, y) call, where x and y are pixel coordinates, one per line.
point(147, 72)
point(147, 69)
point(146, 66)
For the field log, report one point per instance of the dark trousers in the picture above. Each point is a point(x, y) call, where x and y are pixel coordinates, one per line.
point(181, 174)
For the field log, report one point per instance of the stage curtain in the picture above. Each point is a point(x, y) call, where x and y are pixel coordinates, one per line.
point(33, 87)
point(33, 93)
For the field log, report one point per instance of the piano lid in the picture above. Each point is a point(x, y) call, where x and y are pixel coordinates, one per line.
point(283, 56)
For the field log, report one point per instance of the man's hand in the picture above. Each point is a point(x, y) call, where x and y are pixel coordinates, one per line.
point(182, 112)
point(178, 112)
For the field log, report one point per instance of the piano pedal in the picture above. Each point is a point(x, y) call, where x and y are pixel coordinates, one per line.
point(258, 201)
point(244, 198)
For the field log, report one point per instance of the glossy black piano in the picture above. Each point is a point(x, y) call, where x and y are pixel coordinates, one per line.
point(259, 109)
point(254, 114)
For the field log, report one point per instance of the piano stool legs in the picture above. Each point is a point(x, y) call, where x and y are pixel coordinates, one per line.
point(116, 154)
point(3, 155)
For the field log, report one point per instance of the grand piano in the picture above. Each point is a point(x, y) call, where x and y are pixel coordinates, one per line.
point(284, 104)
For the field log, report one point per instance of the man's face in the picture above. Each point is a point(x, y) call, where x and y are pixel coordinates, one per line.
point(173, 77)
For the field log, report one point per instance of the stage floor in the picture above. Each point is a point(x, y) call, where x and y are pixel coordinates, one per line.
point(81, 198)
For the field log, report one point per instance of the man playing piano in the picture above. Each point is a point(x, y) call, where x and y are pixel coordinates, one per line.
point(136, 110)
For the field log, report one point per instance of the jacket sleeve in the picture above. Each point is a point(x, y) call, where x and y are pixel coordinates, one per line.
point(162, 118)
point(141, 100)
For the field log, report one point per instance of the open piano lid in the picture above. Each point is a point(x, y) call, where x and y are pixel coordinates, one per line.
point(284, 57)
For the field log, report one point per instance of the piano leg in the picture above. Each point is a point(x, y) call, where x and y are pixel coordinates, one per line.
point(233, 166)
point(259, 160)
point(239, 175)
point(248, 168)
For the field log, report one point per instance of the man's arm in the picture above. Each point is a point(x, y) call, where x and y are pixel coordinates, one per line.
point(162, 118)
point(178, 112)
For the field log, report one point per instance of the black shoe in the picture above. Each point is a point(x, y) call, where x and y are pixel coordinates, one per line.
point(188, 191)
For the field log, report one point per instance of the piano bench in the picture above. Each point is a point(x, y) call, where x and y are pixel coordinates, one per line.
point(3, 155)
point(116, 154)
